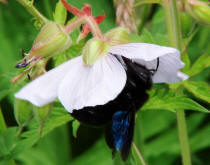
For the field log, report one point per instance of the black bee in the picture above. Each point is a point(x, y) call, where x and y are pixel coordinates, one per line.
point(118, 115)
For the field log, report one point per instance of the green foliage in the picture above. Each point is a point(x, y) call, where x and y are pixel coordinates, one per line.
point(51, 136)
point(23, 112)
point(75, 127)
point(199, 89)
point(60, 13)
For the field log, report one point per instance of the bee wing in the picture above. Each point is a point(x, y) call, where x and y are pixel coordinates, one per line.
point(119, 134)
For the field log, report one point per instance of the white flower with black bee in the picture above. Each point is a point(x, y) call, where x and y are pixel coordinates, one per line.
point(78, 85)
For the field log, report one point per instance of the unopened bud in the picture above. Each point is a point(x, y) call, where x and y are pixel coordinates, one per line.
point(117, 36)
point(23, 112)
point(51, 40)
point(42, 114)
point(200, 11)
point(93, 50)
point(187, 23)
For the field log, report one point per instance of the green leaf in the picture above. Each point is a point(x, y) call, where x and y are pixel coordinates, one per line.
point(148, 128)
point(172, 104)
point(75, 126)
point(8, 141)
point(200, 64)
point(53, 149)
point(200, 139)
point(59, 59)
point(97, 154)
point(3, 93)
point(200, 90)
point(60, 14)
point(75, 50)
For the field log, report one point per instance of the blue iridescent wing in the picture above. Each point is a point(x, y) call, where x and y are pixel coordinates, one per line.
point(119, 133)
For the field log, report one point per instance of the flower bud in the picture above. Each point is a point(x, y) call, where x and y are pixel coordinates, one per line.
point(41, 115)
point(187, 23)
point(117, 36)
point(51, 40)
point(93, 50)
point(23, 112)
point(200, 11)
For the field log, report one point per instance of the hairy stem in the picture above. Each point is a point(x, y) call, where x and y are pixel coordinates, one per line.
point(94, 28)
point(33, 11)
point(71, 26)
point(175, 38)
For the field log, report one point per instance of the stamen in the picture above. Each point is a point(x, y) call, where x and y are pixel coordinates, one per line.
point(25, 63)
point(21, 65)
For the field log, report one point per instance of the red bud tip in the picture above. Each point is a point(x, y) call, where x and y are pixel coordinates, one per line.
point(87, 9)
point(100, 18)
point(72, 9)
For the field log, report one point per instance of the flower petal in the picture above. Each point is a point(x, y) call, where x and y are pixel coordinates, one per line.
point(142, 51)
point(92, 85)
point(43, 90)
point(147, 55)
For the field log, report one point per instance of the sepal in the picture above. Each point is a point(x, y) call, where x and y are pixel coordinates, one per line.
point(93, 50)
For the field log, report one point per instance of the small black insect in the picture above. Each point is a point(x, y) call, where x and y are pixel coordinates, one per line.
point(118, 115)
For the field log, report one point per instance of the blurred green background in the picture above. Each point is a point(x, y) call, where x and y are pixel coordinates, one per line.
point(156, 130)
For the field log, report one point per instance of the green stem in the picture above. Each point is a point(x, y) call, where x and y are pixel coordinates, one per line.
point(183, 137)
point(173, 24)
point(175, 38)
point(33, 11)
point(139, 155)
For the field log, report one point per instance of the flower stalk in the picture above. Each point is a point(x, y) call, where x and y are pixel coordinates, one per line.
point(33, 11)
point(139, 155)
point(73, 25)
point(175, 39)
point(95, 28)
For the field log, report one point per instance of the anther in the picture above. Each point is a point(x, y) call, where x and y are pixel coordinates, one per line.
point(21, 65)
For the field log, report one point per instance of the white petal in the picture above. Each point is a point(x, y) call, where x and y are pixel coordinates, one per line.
point(144, 51)
point(43, 89)
point(182, 76)
point(92, 85)
point(147, 54)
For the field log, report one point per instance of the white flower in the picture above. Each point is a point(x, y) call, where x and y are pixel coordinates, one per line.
point(77, 85)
